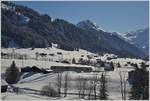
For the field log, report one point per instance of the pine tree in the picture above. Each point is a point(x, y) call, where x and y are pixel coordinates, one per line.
point(112, 65)
point(140, 86)
point(73, 61)
point(102, 64)
point(12, 74)
point(103, 88)
point(118, 65)
point(144, 82)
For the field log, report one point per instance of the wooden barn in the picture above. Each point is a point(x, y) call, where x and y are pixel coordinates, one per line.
point(71, 68)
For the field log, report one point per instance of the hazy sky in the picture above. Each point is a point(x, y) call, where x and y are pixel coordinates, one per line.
point(119, 16)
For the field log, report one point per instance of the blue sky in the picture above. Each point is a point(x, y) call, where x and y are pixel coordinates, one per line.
point(119, 16)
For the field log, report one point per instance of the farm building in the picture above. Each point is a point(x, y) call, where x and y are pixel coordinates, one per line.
point(33, 69)
point(108, 66)
point(71, 68)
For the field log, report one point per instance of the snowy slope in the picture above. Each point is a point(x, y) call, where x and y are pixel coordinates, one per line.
point(31, 83)
point(37, 81)
point(87, 24)
point(139, 38)
point(48, 61)
point(43, 62)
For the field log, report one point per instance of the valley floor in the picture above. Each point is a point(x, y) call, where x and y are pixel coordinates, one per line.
point(30, 84)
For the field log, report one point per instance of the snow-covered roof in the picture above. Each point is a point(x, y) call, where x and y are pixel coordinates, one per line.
point(77, 66)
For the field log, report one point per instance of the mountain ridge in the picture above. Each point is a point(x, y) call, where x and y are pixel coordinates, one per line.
point(28, 28)
point(139, 38)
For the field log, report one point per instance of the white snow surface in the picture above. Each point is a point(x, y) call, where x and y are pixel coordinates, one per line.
point(7, 7)
point(35, 81)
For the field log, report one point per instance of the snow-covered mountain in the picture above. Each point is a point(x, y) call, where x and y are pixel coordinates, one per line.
point(26, 28)
point(87, 24)
point(139, 38)
point(114, 39)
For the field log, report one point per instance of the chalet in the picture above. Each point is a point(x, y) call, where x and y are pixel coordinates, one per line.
point(89, 57)
point(83, 62)
point(30, 69)
point(109, 58)
point(65, 61)
point(71, 68)
point(33, 69)
point(128, 62)
point(95, 56)
point(82, 55)
point(51, 54)
point(134, 64)
point(99, 61)
point(43, 54)
point(108, 66)
point(5, 55)
point(59, 53)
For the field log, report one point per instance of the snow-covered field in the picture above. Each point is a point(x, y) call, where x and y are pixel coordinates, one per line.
point(29, 83)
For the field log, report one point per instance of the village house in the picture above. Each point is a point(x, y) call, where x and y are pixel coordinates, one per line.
point(71, 68)
point(108, 66)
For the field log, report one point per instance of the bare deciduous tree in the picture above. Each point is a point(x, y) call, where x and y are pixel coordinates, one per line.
point(90, 88)
point(95, 82)
point(66, 84)
point(81, 86)
point(103, 87)
point(59, 82)
point(94, 85)
point(78, 83)
point(123, 84)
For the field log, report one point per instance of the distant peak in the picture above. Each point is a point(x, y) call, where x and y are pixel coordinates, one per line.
point(88, 24)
